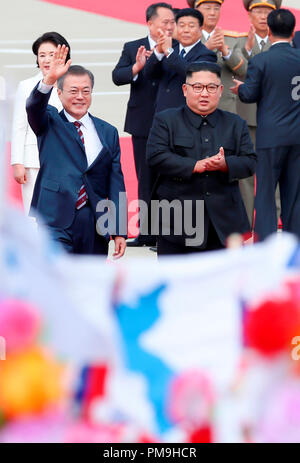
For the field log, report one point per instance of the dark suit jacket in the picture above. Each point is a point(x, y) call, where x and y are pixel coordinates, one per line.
point(140, 108)
point(272, 83)
point(171, 73)
point(172, 152)
point(63, 164)
point(296, 40)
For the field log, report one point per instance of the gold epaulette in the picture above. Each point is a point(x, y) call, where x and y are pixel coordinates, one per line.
point(235, 34)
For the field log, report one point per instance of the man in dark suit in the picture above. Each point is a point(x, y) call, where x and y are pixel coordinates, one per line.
point(200, 153)
point(80, 163)
point(169, 64)
point(273, 84)
point(140, 109)
point(296, 39)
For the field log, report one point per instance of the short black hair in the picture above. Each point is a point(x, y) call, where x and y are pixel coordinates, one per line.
point(152, 9)
point(190, 12)
point(52, 37)
point(282, 23)
point(198, 66)
point(75, 70)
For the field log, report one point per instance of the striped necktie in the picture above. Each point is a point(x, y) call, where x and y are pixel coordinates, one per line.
point(82, 194)
point(262, 45)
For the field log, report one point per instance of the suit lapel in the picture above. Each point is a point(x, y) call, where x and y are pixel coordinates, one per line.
point(193, 52)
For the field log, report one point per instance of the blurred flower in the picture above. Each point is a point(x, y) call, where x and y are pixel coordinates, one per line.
point(46, 428)
point(191, 399)
point(85, 432)
point(270, 327)
point(30, 381)
point(19, 324)
point(281, 418)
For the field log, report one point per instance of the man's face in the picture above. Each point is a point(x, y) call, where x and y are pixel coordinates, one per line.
point(211, 13)
point(76, 95)
point(164, 20)
point(203, 103)
point(258, 17)
point(188, 30)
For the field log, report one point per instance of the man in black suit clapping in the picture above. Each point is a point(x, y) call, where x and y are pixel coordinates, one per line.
point(140, 109)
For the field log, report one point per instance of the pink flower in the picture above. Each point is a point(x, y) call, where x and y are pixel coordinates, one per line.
point(19, 324)
point(191, 399)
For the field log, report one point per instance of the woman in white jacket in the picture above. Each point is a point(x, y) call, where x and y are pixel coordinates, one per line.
point(24, 150)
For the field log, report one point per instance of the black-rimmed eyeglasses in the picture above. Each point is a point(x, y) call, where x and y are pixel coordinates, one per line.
point(198, 88)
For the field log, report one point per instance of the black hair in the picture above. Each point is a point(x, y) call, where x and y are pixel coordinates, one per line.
point(75, 71)
point(198, 66)
point(190, 12)
point(176, 11)
point(52, 37)
point(282, 23)
point(152, 9)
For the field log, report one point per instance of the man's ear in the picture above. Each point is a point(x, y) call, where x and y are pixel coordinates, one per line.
point(184, 89)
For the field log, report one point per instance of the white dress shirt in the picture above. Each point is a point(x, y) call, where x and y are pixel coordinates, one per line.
point(160, 56)
point(92, 143)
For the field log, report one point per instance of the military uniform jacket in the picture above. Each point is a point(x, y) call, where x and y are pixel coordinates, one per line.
point(235, 66)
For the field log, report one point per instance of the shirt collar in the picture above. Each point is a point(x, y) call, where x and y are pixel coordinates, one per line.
point(152, 42)
point(197, 120)
point(85, 120)
point(187, 49)
point(206, 34)
point(281, 41)
point(259, 39)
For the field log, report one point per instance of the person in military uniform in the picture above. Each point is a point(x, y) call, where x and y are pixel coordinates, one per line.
point(224, 43)
point(250, 44)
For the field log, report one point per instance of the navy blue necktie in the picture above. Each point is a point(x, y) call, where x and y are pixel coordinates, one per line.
point(182, 53)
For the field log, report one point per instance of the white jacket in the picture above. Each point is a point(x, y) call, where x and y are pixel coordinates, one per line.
point(24, 148)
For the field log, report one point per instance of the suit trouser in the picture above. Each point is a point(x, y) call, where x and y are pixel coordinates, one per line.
point(247, 185)
point(143, 172)
point(278, 165)
point(81, 237)
point(28, 187)
point(166, 247)
point(247, 188)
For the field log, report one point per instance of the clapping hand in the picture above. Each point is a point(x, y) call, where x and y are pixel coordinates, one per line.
point(217, 162)
point(216, 40)
point(58, 66)
point(251, 39)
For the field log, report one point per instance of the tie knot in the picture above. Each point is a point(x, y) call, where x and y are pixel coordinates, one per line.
point(182, 53)
point(77, 124)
